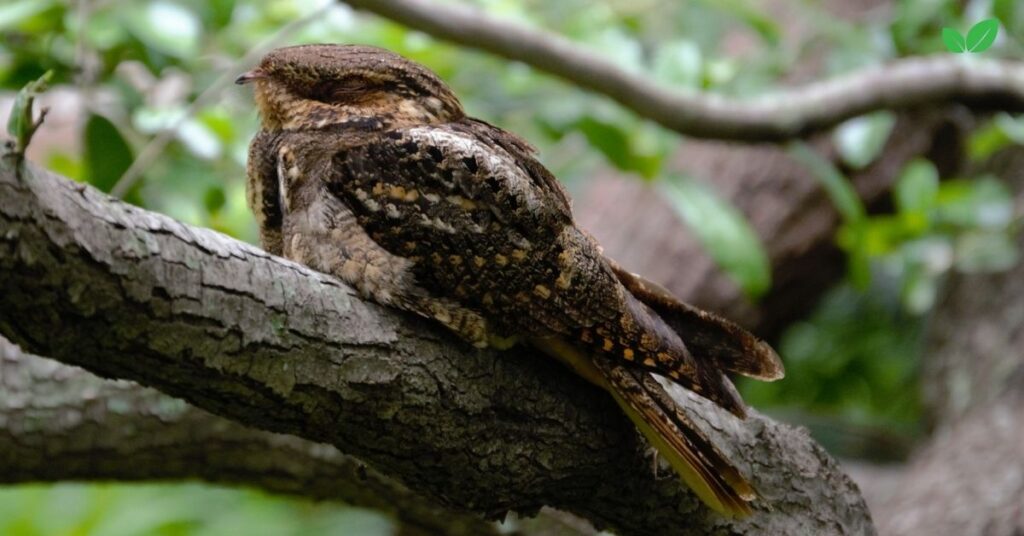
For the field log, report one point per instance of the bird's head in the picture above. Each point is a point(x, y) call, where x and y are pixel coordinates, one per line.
point(318, 86)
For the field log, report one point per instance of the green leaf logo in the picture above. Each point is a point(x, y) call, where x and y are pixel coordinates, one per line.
point(979, 38)
point(954, 41)
point(982, 35)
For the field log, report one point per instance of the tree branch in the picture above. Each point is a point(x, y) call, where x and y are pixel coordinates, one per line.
point(262, 341)
point(785, 114)
point(60, 423)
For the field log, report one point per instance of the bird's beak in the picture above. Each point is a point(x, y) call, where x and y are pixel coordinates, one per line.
point(247, 77)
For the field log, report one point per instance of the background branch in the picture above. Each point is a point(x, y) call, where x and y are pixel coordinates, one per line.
point(130, 294)
point(784, 114)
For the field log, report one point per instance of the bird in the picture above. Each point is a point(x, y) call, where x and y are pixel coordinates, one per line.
point(366, 167)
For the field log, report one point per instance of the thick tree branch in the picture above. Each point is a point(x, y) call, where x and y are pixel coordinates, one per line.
point(130, 294)
point(60, 423)
point(785, 114)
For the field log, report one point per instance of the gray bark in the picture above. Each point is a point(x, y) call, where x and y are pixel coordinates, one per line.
point(129, 294)
point(59, 422)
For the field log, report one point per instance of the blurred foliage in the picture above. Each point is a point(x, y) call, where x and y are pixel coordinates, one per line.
point(174, 510)
point(963, 224)
point(855, 360)
point(728, 237)
point(135, 71)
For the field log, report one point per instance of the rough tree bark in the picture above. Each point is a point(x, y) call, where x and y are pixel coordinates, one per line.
point(129, 294)
point(60, 423)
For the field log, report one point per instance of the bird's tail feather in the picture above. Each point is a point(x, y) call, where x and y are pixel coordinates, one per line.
point(707, 336)
point(700, 464)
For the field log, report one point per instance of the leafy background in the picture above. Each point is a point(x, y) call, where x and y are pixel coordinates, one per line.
point(148, 81)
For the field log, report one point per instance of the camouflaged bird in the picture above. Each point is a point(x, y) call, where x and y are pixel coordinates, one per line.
point(367, 168)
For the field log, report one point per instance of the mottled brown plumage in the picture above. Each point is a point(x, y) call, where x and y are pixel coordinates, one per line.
point(366, 167)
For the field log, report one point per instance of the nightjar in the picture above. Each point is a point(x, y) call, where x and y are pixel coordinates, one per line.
point(366, 167)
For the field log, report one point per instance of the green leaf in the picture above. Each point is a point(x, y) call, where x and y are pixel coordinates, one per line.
point(860, 140)
point(983, 203)
point(855, 238)
point(619, 146)
point(748, 12)
point(167, 27)
point(107, 154)
point(607, 137)
point(618, 47)
point(214, 199)
point(919, 290)
point(917, 187)
point(985, 140)
point(22, 124)
point(981, 36)
point(723, 231)
point(1010, 14)
point(839, 189)
point(1012, 127)
point(14, 13)
point(679, 64)
point(953, 40)
point(217, 13)
point(105, 30)
point(875, 236)
point(199, 139)
point(65, 164)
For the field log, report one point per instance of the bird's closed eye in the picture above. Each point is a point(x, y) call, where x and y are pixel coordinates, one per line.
point(346, 90)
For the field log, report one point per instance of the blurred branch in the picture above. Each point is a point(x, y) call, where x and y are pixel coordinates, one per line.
point(784, 114)
point(126, 293)
point(57, 419)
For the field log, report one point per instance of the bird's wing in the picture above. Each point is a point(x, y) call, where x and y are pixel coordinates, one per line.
point(485, 224)
point(523, 153)
point(488, 227)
